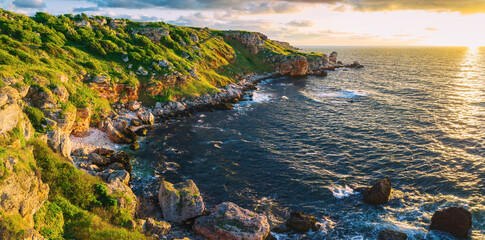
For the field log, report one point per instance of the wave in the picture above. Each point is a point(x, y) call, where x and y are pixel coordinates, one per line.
point(340, 192)
point(342, 94)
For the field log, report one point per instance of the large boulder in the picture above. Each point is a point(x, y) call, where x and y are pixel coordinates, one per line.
point(155, 227)
point(379, 193)
point(301, 223)
point(124, 196)
point(454, 220)
point(146, 117)
point(60, 143)
point(392, 235)
point(180, 202)
point(10, 111)
point(61, 92)
point(229, 221)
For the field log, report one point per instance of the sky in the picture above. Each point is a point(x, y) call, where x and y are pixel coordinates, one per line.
point(300, 22)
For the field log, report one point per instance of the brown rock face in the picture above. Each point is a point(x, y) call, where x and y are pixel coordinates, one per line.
point(81, 124)
point(290, 65)
point(454, 220)
point(115, 92)
point(379, 193)
point(10, 111)
point(254, 41)
point(231, 222)
point(180, 202)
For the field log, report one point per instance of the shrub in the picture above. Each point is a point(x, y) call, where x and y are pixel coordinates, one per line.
point(36, 117)
point(6, 58)
point(49, 221)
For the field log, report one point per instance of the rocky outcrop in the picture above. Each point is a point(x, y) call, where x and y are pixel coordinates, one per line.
point(379, 193)
point(301, 223)
point(229, 221)
point(118, 131)
point(333, 58)
point(10, 110)
point(293, 65)
point(154, 34)
point(285, 45)
point(180, 202)
point(60, 142)
point(155, 227)
point(454, 220)
point(21, 191)
point(80, 127)
point(392, 235)
point(254, 41)
point(124, 196)
point(114, 92)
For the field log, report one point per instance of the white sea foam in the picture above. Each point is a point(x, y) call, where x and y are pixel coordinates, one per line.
point(340, 192)
point(342, 94)
point(261, 97)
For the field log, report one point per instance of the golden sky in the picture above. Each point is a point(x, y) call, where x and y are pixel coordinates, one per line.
point(301, 22)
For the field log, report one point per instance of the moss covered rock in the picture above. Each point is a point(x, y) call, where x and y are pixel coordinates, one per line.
point(180, 202)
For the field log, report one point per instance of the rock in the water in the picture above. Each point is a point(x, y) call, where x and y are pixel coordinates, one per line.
point(229, 221)
point(301, 223)
point(141, 132)
point(379, 193)
point(146, 117)
point(124, 159)
point(104, 152)
point(180, 202)
point(454, 220)
point(135, 146)
point(392, 235)
point(156, 227)
point(136, 122)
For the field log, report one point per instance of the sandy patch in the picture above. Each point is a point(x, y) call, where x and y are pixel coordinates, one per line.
point(96, 139)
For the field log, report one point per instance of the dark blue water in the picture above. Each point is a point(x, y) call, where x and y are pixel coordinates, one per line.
point(415, 115)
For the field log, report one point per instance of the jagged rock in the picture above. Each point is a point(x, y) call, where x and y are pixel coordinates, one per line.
point(181, 201)
point(135, 146)
point(142, 71)
point(146, 117)
point(392, 235)
point(229, 221)
point(61, 92)
point(116, 166)
point(114, 134)
point(122, 158)
point(23, 91)
point(97, 159)
point(80, 127)
point(134, 106)
point(163, 63)
point(104, 152)
point(121, 175)
point(141, 132)
point(194, 38)
point(21, 191)
point(333, 57)
point(454, 220)
point(301, 223)
point(156, 227)
point(136, 122)
point(124, 196)
point(379, 193)
point(80, 152)
point(125, 58)
point(60, 143)
point(50, 123)
point(101, 79)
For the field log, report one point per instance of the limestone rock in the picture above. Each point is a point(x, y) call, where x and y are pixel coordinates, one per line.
point(379, 193)
point(61, 92)
point(60, 143)
point(156, 227)
point(229, 221)
point(134, 106)
point(146, 117)
point(392, 235)
point(121, 175)
point(454, 220)
point(3, 99)
point(124, 195)
point(180, 202)
point(101, 79)
point(333, 57)
point(97, 159)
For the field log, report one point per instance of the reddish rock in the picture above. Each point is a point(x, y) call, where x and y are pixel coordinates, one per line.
point(81, 124)
point(379, 193)
point(454, 220)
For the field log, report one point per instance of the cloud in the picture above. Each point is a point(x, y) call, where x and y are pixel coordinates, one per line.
point(28, 3)
point(301, 23)
point(431, 29)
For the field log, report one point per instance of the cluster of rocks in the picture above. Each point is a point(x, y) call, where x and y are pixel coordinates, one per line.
point(454, 220)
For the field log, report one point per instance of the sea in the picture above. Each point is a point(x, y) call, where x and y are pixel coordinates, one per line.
point(415, 115)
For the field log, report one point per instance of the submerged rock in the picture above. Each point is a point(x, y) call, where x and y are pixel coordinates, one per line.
point(229, 221)
point(454, 220)
point(379, 193)
point(301, 223)
point(392, 235)
point(180, 202)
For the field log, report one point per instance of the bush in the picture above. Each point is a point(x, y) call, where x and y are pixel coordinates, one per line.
point(6, 58)
point(49, 221)
point(36, 117)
